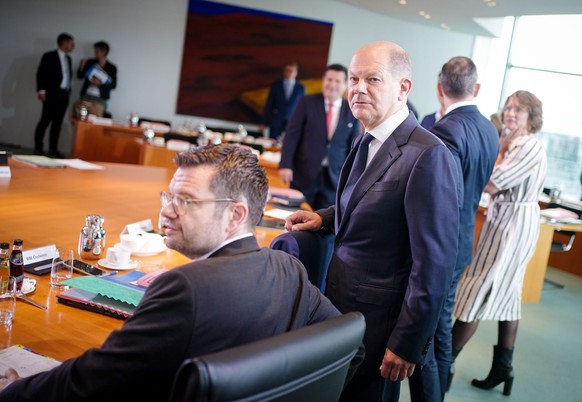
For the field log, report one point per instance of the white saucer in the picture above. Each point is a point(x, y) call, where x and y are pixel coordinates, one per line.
point(132, 265)
point(28, 285)
point(147, 253)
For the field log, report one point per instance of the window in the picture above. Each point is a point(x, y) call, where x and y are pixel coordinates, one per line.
point(539, 54)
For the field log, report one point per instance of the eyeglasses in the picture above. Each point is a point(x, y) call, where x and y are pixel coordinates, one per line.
point(516, 110)
point(181, 203)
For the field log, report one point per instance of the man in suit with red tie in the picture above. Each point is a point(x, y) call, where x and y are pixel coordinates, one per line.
point(283, 97)
point(318, 139)
point(53, 85)
point(396, 225)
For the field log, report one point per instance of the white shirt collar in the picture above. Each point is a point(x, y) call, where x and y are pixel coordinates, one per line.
point(387, 127)
point(336, 103)
point(385, 130)
point(458, 105)
point(224, 243)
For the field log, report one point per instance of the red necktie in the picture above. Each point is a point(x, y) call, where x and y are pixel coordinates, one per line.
point(329, 119)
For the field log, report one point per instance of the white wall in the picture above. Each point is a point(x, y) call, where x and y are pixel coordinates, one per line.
point(146, 37)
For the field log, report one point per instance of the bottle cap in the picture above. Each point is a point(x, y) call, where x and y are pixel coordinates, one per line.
point(4, 245)
point(18, 242)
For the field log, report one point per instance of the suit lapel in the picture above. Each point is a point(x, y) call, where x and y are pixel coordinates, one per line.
point(388, 153)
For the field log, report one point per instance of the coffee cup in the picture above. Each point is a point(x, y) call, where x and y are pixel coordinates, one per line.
point(152, 241)
point(118, 256)
point(132, 242)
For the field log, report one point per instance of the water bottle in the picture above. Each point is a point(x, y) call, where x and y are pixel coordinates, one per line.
point(17, 263)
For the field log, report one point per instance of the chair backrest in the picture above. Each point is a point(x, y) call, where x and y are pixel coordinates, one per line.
point(311, 248)
point(563, 239)
point(307, 364)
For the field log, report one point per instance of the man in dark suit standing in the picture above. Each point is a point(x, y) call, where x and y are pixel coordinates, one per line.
point(474, 142)
point(318, 139)
point(283, 97)
point(396, 225)
point(53, 85)
point(233, 292)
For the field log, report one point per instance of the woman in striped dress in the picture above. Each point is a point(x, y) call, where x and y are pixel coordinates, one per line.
point(490, 288)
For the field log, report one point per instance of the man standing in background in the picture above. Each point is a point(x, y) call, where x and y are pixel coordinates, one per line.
point(283, 97)
point(53, 85)
point(318, 138)
point(474, 143)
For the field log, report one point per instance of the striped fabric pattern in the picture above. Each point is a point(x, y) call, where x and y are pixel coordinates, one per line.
point(490, 288)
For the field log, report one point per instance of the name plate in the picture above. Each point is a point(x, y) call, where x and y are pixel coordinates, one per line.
point(138, 227)
point(38, 261)
point(5, 172)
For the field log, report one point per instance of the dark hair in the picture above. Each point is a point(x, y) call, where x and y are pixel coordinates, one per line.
point(102, 45)
point(337, 67)
point(458, 77)
point(533, 105)
point(64, 37)
point(238, 174)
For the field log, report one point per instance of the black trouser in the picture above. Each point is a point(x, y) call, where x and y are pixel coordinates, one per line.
point(53, 113)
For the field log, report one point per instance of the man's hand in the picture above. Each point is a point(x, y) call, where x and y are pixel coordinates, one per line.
point(10, 375)
point(395, 368)
point(41, 96)
point(303, 220)
point(286, 175)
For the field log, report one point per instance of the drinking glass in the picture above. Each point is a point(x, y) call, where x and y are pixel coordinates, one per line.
point(7, 301)
point(62, 268)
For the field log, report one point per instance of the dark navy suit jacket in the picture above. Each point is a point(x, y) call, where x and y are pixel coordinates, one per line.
point(306, 143)
point(396, 243)
point(474, 142)
point(241, 294)
point(428, 121)
point(49, 73)
point(278, 108)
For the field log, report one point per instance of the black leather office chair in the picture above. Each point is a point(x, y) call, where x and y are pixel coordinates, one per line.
point(312, 249)
point(308, 364)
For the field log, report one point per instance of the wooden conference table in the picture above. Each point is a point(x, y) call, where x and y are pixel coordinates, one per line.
point(46, 206)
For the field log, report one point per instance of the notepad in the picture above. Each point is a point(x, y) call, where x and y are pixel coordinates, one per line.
point(107, 288)
point(39, 161)
point(25, 361)
point(96, 303)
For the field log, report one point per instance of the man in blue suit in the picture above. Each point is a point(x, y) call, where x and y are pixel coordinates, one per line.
point(431, 119)
point(283, 97)
point(53, 85)
point(474, 142)
point(396, 225)
point(318, 139)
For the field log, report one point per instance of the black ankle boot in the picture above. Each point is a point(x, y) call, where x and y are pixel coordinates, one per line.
point(501, 371)
point(452, 368)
